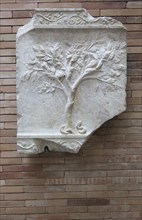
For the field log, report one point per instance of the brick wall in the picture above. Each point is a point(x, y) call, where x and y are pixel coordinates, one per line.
point(103, 180)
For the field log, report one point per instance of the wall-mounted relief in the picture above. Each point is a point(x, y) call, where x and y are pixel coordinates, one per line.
point(71, 78)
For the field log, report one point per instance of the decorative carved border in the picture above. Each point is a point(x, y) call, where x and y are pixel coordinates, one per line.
point(67, 18)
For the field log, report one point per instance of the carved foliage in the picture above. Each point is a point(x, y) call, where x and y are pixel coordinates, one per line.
point(80, 17)
point(64, 66)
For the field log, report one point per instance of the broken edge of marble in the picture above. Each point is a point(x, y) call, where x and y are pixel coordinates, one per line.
point(64, 20)
point(32, 143)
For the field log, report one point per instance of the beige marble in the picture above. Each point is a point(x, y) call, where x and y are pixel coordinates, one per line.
point(71, 78)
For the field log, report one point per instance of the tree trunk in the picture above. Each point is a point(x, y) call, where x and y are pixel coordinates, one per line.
point(70, 126)
point(69, 106)
point(68, 111)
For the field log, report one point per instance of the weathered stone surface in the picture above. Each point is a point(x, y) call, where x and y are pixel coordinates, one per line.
point(71, 78)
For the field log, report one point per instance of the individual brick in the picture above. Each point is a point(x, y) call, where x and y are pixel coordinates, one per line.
point(7, 1)
point(9, 118)
point(12, 168)
point(42, 160)
point(49, 203)
point(11, 189)
point(133, 27)
point(121, 12)
point(96, 216)
point(7, 147)
point(134, 4)
point(24, 182)
point(25, 210)
point(8, 103)
point(7, 52)
point(22, 14)
point(136, 93)
point(8, 133)
point(5, 30)
point(8, 140)
point(5, 14)
point(10, 96)
point(64, 195)
point(9, 175)
point(64, 209)
point(20, 21)
point(88, 202)
point(103, 5)
point(18, 6)
point(133, 20)
point(60, 5)
point(2, 211)
point(24, 196)
point(9, 111)
point(7, 45)
point(8, 204)
point(10, 161)
point(35, 188)
point(133, 42)
point(10, 125)
point(7, 60)
point(49, 174)
point(7, 37)
point(123, 186)
point(134, 49)
point(10, 154)
point(85, 174)
point(13, 217)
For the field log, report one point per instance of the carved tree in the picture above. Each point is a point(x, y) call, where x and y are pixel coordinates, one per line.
point(66, 67)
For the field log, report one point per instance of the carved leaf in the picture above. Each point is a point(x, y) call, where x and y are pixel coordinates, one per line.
point(46, 88)
point(35, 48)
point(26, 75)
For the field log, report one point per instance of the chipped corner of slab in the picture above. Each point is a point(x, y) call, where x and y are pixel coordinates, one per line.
point(64, 89)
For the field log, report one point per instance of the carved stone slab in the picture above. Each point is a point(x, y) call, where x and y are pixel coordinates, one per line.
point(71, 78)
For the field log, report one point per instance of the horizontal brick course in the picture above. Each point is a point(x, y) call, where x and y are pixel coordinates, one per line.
point(60, 5)
point(5, 14)
point(5, 30)
point(11, 189)
point(13, 217)
point(7, 45)
point(18, 6)
point(7, 37)
point(88, 202)
point(121, 12)
point(24, 196)
point(20, 21)
point(134, 4)
point(25, 210)
point(103, 5)
point(22, 14)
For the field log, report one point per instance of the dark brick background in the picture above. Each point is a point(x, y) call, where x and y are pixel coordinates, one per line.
point(101, 182)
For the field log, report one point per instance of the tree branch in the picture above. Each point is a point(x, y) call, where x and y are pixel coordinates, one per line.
point(101, 80)
point(82, 76)
point(95, 69)
point(62, 85)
